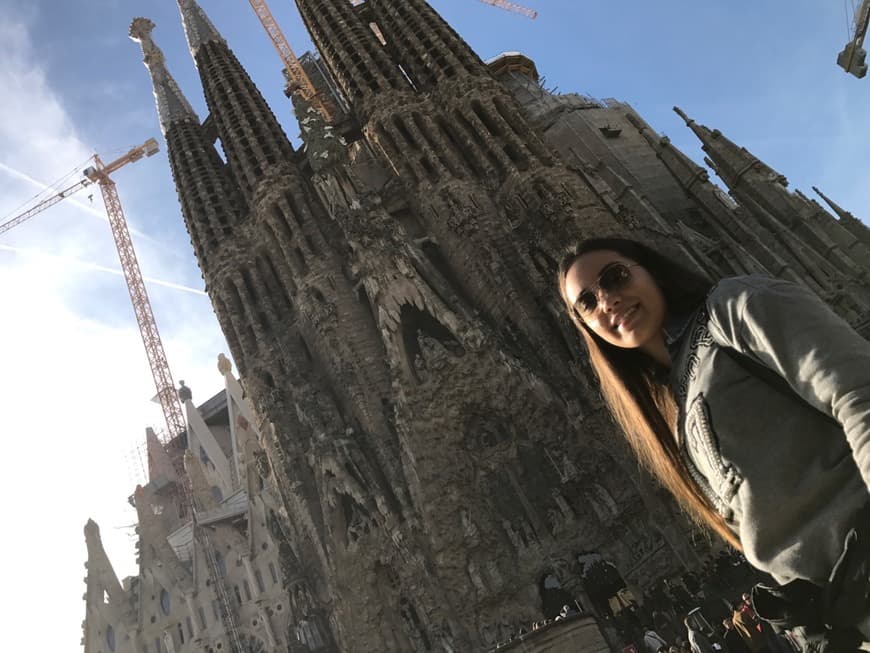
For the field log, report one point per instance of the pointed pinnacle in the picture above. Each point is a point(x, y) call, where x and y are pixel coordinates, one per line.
point(91, 529)
point(711, 164)
point(141, 28)
point(682, 114)
point(822, 195)
point(836, 208)
point(198, 28)
point(656, 141)
point(171, 103)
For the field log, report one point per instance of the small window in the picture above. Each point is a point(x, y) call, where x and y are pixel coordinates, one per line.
point(189, 623)
point(216, 609)
point(610, 132)
point(165, 603)
point(202, 622)
point(273, 573)
point(247, 588)
point(157, 647)
point(217, 494)
point(110, 638)
point(238, 595)
point(258, 577)
point(180, 633)
point(221, 564)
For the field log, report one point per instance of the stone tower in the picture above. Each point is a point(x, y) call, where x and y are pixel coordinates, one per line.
point(389, 301)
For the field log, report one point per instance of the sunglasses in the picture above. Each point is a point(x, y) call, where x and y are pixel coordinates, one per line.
point(615, 276)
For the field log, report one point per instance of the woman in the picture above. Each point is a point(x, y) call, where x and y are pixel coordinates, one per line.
point(749, 400)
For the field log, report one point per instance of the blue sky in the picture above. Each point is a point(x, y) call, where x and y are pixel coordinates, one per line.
point(76, 384)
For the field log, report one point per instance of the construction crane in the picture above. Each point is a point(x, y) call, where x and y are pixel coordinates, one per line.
point(297, 78)
point(99, 174)
point(512, 6)
point(166, 393)
point(853, 57)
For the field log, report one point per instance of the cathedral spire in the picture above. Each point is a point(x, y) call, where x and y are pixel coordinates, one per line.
point(101, 576)
point(720, 213)
point(842, 213)
point(423, 43)
point(210, 209)
point(159, 463)
point(763, 191)
point(252, 138)
point(171, 103)
point(730, 161)
point(351, 50)
point(198, 28)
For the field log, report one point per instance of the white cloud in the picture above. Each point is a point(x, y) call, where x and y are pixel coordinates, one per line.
point(50, 259)
point(75, 386)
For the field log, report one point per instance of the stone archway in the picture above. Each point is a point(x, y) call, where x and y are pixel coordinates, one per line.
point(609, 596)
point(604, 585)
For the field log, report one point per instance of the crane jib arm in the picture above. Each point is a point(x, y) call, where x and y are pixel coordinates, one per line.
point(39, 208)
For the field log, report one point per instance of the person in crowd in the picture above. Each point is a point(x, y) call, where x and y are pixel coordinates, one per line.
point(746, 623)
point(697, 640)
point(746, 605)
point(652, 641)
point(690, 581)
point(734, 641)
point(682, 598)
point(716, 387)
point(566, 612)
point(663, 623)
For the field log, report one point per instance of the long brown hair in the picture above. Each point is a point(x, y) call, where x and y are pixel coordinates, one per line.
point(631, 382)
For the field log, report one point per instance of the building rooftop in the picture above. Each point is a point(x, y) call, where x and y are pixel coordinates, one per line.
point(507, 62)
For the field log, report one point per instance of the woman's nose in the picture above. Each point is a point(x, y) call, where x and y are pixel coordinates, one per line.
point(607, 300)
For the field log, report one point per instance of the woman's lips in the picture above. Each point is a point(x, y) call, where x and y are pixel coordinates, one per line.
point(627, 318)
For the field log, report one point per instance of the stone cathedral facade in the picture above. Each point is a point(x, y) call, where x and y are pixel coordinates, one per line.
point(387, 292)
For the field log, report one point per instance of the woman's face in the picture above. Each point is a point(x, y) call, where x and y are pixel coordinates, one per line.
point(618, 299)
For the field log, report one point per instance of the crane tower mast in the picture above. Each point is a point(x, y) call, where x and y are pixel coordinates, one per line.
point(166, 393)
point(297, 77)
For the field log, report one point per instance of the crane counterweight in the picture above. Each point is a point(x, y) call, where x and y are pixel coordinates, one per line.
point(853, 58)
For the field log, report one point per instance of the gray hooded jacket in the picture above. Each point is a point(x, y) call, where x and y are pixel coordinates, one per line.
point(787, 478)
